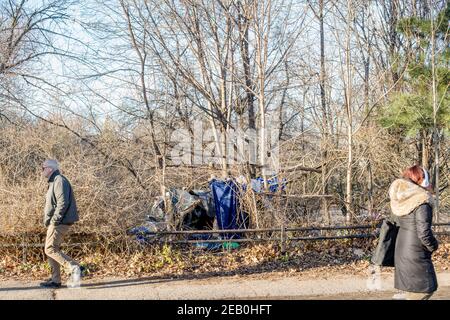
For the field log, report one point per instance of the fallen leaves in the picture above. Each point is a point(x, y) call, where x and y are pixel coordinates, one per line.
point(316, 259)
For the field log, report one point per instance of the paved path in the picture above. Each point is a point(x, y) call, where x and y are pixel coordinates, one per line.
point(238, 287)
point(443, 293)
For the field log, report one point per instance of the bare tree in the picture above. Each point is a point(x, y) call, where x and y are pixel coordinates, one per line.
point(28, 33)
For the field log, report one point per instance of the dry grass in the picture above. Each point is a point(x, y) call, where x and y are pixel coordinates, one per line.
point(313, 258)
point(111, 200)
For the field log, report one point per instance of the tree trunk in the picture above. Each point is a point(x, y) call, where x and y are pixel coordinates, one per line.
point(348, 94)
point(393, 39)
point(435, 110)
point(370, 190)
point(324, 147)
point(427, 149)
point(261, 62)
point(244, 43)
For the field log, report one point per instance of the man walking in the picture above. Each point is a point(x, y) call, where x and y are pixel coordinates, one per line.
point(59, 214)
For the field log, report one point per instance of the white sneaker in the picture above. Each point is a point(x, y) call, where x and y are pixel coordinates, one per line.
point(75, 279)
point(373, 282)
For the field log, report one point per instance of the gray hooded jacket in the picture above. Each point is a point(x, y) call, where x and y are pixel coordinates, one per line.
point(60, 205)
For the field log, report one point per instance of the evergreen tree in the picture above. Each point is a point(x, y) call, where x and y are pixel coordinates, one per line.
point(410, 111)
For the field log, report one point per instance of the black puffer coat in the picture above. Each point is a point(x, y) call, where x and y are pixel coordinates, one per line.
point(414, 271)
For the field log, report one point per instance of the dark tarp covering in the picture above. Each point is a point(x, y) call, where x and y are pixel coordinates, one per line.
point(193, 210)
point(228, 214)
point(196, 210)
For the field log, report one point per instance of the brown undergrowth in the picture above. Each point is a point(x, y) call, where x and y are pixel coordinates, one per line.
point(315, 258)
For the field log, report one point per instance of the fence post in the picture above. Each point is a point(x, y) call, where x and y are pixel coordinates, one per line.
point(283, 237)
point(24, 250)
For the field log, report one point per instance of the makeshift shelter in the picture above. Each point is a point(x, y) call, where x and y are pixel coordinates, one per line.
point(226, 202)
point(191, 210)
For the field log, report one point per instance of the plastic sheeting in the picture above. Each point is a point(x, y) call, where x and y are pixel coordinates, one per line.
point(274, 184)
point(193, 210)
point(196, 210)
point(228, 215)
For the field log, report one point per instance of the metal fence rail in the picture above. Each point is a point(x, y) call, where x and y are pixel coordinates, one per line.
point(189, 232)
point(283, 238)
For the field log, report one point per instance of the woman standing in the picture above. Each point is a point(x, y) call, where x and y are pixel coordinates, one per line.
point(412, 205)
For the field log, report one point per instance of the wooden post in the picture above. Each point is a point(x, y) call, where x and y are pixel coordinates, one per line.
point(24, 250)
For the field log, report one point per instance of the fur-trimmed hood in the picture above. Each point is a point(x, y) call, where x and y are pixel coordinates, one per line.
point(406, 196)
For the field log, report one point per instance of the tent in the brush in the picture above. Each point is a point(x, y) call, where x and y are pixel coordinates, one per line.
point(228, 212)
point(191, 210)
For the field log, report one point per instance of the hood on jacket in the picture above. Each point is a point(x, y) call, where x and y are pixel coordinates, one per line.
point(53, 175)
point(406, 196)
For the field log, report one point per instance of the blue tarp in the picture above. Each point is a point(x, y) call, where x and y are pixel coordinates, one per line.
point(197, 209)
point(274, 184)
point(226, 205)
point(145, 233)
